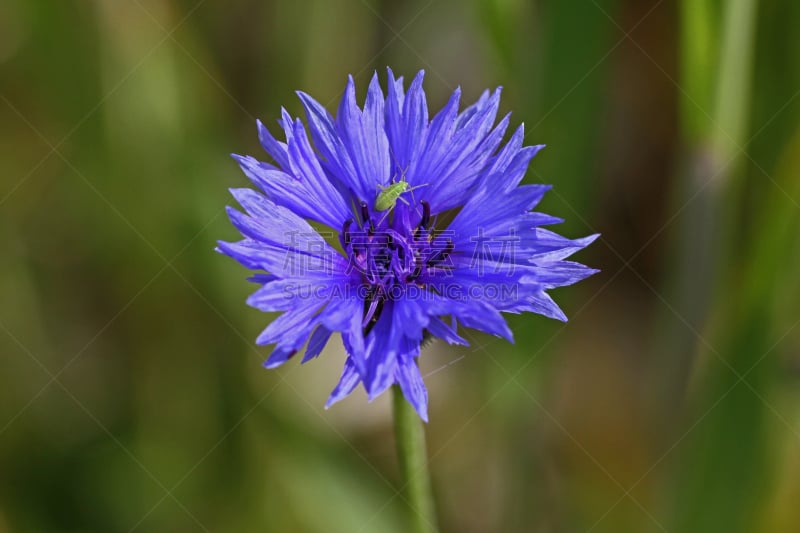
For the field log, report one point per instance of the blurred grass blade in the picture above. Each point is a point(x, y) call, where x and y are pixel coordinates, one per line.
point(723, 463)
point(698, 57)
point(717, 50)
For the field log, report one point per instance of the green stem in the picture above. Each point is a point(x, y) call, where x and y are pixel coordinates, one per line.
point(409, 433)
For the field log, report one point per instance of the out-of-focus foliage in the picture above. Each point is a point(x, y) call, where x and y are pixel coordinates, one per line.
point(131, 393)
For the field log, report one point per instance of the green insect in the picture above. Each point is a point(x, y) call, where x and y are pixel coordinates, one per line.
point(391, 193)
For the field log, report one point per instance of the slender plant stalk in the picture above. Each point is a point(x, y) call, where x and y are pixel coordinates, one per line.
point(409, 433)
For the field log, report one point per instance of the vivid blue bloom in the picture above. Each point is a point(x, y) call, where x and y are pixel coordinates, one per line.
point(459, 246)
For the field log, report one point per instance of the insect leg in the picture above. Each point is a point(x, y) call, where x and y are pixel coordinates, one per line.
point(413, 199)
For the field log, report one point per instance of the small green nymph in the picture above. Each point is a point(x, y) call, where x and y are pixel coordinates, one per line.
point(391, 193)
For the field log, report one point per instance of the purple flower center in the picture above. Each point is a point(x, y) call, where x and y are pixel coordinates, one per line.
point(393, 256)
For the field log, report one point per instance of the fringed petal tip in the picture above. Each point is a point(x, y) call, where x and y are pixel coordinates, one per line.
point(278, 357)
point(347, 383)
point(409, 378)
point(586, 241)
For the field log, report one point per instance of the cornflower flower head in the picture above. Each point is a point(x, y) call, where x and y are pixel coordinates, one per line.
point(392, 228)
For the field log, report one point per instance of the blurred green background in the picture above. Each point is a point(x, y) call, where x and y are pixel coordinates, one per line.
point(132, 396)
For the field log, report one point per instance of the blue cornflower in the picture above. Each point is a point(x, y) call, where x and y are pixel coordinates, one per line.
point(418, 226)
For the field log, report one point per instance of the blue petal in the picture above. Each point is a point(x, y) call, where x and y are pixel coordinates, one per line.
point(549, 246)
point(516, 241)
point(475, 314)
point(411, 318)
point(284, 294)
point(299, 195)
point(543, 304)
point(395, 127)
point(515, 171)
point(438, 328)
point(438, 141)
point(276, 223)
point(491, 212)
point(316, 343)
point(345, 315)
point(375, 161)
point(286, 122)
point(279, 241)
point(327, 141)
point(465, 157)
point(410, 380)
point(292, 329)
point(406, 120)
point(506, 154)
point(466, 115)
point(365, 138)
point(279, 355)
point(291, 325)
point(483, 317)
point(382, 345)
point(262, 278)
point(279, 295)
point(276, 149)
point(282, 261)
point(560, 273)
point(326, 203)
point(347, 383)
